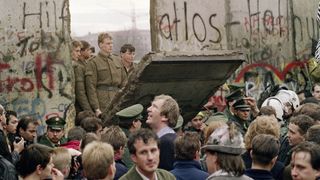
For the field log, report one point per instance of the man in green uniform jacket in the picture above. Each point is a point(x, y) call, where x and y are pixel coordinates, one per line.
point(54, 136)
point(105, 75)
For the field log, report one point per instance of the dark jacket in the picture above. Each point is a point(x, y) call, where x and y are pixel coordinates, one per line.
point(121, 169)
point(188, 170)
point(167, 151)
point(276, 171)
point(259, 174)
point(285, 151)
point(7, 170)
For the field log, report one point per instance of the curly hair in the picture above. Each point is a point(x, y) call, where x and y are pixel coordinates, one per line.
point(261, 125)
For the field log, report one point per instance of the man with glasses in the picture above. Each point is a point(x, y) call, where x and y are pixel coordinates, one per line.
point(55, 132)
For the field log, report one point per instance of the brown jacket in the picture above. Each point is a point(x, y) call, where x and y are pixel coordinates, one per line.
point(82, 102)
point(104, 77)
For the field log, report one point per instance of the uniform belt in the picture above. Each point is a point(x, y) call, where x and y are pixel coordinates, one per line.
point(108, 88)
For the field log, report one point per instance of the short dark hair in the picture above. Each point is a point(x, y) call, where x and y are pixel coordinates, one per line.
point(76, 133)
point(31, 157)
point(24, 122)
point(142, 134)
point(85, 45)
point(186, 146)
point(265, 147)
point(304, 122)
point(91, 124)
point(10, 113)
point(314, 85)
point(82, 115)
point(313, 134)
point(128, 47)
point(88, 138)
point(311, 148)
point(310, 109)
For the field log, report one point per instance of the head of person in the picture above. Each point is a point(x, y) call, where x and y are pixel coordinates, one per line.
point(117, 138)
point(130, 117)
point(105, 43)
point(212, 126)
point(178, 128)
point(92, 124)
point(223, 150)
point(55, 129)
point(76, 48)
point(76, 133)
point(313, 134)
point(242, 110)
point(297, 128)
point(264, 152)
point(88, 138)
point(61, 158)
point(85, 50)
point(82, 115)
point(197, 122)
point(267, 111)
point(3, 119)
point(143, 146)
point(316, 91)
point(310, 109)
point(36, 160)
point(27, 128)
point(12, 122)
point(187, 147)
point(164, 111)
point(261, 125)
point(127, 53)
point(305, 161)
point(98, 161)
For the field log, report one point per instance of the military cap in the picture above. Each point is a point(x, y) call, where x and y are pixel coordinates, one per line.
point(56, 123)
point(218, 116)
point(235, 95)
point(236, 86)
point(130, 113)
point(179, 122)
point(241, 104)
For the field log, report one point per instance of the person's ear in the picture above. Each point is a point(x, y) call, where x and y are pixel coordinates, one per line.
point(251, 153)
point(133, 158)
point(39, 169)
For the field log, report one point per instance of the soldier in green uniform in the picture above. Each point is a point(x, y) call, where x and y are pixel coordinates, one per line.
point(82, 102)
point(127, 53)
point(55, 132)
point(104, 76)
point(241, 116)
point(129, 121)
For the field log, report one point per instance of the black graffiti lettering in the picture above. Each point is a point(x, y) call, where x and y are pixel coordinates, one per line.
point(194, 29)
point(25, 15)
point(219, 38)
point(268, 21)
point(175, 21)
point(169, 36)
point(186, 19)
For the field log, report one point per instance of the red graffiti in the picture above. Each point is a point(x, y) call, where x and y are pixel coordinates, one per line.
point(20, 84)
point(280, 74)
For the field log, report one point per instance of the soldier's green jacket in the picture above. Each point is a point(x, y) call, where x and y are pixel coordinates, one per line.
point(82, 102)
point(104, 77)
point(45, 141)
point(132, 174)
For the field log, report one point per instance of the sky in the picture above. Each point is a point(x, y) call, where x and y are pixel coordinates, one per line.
point(92, 16)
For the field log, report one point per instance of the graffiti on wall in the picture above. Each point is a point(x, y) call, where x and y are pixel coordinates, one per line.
point(35, 76)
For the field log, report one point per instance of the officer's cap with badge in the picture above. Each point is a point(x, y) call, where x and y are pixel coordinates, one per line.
point(241, 105)
point(56, 123)
point(236, 92)
point(130, 113)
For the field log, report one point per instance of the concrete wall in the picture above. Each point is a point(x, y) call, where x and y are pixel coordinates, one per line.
point(35, 66)
point(275, 35)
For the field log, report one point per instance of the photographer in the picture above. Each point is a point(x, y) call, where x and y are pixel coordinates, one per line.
point(26, 129)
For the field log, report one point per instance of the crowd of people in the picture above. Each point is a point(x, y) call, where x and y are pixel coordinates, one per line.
point(278, 140)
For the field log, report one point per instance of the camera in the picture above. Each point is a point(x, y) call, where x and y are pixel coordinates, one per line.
point(17, 139)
